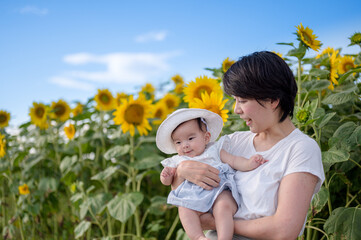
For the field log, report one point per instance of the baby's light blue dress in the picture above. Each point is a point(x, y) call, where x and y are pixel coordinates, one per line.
point(194, 197)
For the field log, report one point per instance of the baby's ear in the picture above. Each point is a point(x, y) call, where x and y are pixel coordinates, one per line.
point(207, 137)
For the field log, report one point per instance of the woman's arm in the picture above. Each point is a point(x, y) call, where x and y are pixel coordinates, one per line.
point(198, 173)
point(294, 198)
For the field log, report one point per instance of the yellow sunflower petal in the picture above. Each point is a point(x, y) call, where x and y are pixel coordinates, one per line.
point(134, 113)
point(2, 146)
point(77, 110)
point(60, 110)
point(308, 38)
point(70, 131)
point(24, 189)
point(346, 63)
point(226, 64)
point(213, 102)
point(39, 114)
point(105, 100)
point(194, 89)
point(334, 61)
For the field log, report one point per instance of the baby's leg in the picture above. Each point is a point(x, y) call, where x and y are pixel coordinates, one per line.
point(223, 210)
point(191, 223)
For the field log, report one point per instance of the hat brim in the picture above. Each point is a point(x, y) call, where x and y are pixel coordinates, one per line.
point(164, 134)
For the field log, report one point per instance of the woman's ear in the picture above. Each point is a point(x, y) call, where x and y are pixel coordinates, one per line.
point(275, 103)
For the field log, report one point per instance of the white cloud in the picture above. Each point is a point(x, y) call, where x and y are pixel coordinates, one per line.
point(151, 36)
point(71, 83)
point(34, 10)
point(121, 67)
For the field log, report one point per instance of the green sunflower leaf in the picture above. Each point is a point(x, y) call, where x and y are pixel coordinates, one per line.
point(344, 223)
point(123, 206)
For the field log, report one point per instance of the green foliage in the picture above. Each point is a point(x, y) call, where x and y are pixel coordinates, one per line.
point(104, 184)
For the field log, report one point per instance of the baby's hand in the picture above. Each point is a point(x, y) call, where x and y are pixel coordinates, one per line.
point(168, 172)
point(256, 160)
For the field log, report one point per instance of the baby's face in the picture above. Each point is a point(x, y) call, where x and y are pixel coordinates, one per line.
point(189, 140)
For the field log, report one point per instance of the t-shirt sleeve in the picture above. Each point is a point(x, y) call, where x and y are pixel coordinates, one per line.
point(306, 157)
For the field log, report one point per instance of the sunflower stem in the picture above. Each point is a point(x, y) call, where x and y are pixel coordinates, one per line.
point(134, 186)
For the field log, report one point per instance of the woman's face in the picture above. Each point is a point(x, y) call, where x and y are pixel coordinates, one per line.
point(257, 117)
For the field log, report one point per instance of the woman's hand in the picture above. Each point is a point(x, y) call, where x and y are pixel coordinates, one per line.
point(198, 173)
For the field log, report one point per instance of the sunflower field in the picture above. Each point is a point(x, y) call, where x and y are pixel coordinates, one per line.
point(91, 171)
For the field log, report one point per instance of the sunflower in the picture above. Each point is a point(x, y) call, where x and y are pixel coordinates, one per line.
point(77, 110)
point(24, 189)
point(148, 90)
point(105, 100)
point(39, 115)
point(355, 39)
point(134, 113)
point(60, 110)
point(346, 63)
point(160, 112)
point(119, 98)
point(279, 54)
point(171, 101)
point(177, 79)
point(326, 51)
point(70, 131)
point(2, 145)
point(4, 118)
point(334, 62)
point(226, 64)
point(213, 102)
point(179, 88)
point(308, 38)
point(194, 89)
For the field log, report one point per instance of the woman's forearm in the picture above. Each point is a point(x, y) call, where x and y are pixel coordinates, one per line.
point(265, 228)
point(198, 173)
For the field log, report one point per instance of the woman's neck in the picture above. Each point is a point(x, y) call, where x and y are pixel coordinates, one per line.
point(268, 138)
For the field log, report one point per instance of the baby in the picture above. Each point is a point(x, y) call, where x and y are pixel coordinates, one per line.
point(191, 133)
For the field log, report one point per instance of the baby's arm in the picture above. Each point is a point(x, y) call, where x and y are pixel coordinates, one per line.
point(166, 176)
point(240, 163)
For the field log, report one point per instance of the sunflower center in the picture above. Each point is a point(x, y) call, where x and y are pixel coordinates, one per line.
point(307, 37)
point(170, 103)
point(348, 66)
point(104, 98)
point(39, 112)
point(201, 90)
point(134, 114)
point(59, 110)
point(3, 118)
point(158, 113)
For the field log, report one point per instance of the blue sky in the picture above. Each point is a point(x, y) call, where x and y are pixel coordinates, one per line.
point(51, 50)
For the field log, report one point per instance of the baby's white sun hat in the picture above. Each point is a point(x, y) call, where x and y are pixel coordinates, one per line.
point(164, 140)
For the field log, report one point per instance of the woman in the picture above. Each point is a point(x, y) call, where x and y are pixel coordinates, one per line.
point(276, 196)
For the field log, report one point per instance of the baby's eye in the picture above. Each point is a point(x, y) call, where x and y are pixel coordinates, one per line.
point(177, 143)
point(191, 138)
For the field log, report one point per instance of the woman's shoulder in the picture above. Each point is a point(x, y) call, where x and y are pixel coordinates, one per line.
point(299, 138)
point(240, 135)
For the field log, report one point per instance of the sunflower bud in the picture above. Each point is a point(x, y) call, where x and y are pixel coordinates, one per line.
point(355, 39)
point(303, 115)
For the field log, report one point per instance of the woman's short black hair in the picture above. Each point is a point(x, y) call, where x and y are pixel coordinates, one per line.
point(262, 76)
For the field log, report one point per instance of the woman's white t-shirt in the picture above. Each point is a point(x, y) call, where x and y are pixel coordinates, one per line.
point(259, 188)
